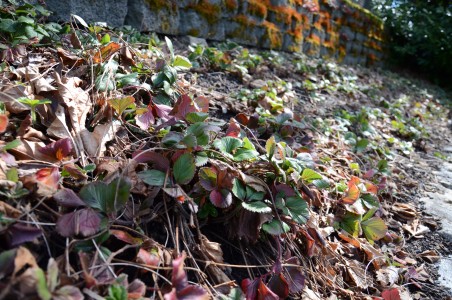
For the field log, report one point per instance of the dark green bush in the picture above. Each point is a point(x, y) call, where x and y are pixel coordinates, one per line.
point(419, 35)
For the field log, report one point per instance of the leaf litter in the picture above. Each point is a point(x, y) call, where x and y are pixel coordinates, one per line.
point(139, 170)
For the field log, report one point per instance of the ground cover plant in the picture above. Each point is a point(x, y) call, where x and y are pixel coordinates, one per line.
point(124, 177)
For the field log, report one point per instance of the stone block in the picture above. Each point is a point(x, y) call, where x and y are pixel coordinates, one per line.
point(280, 2)
point(111, 12)
point(164, 20)
point(254, 9)
point(230, 8)
point(271, 38)
point(191, 23)
point(184, 3)
point(291, 44)
point(350, 60)
point(347, 33)
point(241, 33)
point(311, 49)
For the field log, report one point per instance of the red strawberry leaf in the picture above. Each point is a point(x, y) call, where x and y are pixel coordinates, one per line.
point(263, 292)
point(294, 276)
point(221, 198)
point(233, 128)
point(21, 233)
point(59, 149)
point(68, 198)
point(145, 120)
point(179, 277)
point(159, 161)
point(181, 288)
point(84, 223)
point(208, 178)
point(3, 123)
point(147, 258)
point(352, 193)
point(392, 294)
point(278, 284)
point(48, 176)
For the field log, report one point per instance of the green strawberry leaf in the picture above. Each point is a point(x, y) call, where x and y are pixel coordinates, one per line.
point(184, 168)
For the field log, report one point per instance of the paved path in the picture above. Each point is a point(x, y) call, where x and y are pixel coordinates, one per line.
point(439, 204)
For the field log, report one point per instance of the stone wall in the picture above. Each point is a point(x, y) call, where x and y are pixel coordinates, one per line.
point(319, 28)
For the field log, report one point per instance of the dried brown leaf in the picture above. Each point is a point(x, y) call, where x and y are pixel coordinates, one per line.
point(8, 210)
point(31, 74)
point(24, 259)
point(10, 92)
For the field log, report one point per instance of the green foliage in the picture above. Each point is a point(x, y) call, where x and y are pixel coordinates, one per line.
point(117, 292)
point(108, 198)
point(184, 168)
point(420, 35)
point(20, 25)
point(33, 103)
point(275, 227)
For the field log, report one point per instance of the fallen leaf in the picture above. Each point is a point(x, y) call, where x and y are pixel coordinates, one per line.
point(105, 52)
point(126, 57)
point(388, 276)
point(11, 92)
point(430, 256)
point(31, 74)
point(356, 272)
point(9, 211)
point(78, 104)
point(69, 59)
point(58, 128)
point(24, 259)
point(94, 142)
point(212, 250)
point(404, 211)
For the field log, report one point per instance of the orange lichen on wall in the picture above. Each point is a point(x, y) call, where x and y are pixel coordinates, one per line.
point(314, 39)
point(327, 27)
point(296, 2)
point(244, 20)
point(231, 4)
point(373, 45)
point(371, 58)
point(159, 4)
point(286, 14)
point(273, 34)
point(297, 33)
point(211, 12)
point(306, 23)
point(257, 8)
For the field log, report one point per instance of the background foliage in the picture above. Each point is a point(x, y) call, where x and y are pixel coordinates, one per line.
point(420, 35)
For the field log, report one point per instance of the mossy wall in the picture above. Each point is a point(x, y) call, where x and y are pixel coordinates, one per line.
point(321, 28)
